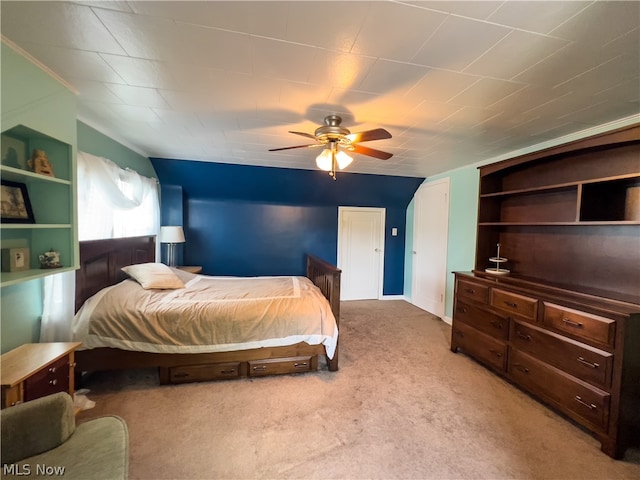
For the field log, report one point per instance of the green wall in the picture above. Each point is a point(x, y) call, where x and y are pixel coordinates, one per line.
point(33, 98)
point(92, 141)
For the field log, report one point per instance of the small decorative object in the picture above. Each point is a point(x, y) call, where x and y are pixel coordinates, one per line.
point(497, 260)
point(15, 206)
point(14, 152)
point(50, 259)
point(40, 163)
point(15, 259)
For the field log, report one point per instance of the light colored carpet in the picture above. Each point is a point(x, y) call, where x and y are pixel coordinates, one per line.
point(402, 406)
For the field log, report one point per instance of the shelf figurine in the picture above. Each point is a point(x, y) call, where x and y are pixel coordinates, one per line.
point(50, 259)
point(40, 163)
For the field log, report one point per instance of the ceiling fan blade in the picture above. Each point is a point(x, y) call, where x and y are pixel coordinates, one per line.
point(297, 146)
point(368, 135)
point(304, 134)
point(371, 152)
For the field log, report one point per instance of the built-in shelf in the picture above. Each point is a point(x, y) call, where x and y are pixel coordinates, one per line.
point(52, 199)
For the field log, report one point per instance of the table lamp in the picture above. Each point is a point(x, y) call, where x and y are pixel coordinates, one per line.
point(171, 235)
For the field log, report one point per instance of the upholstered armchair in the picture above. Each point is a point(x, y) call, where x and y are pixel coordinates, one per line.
point(40, 439)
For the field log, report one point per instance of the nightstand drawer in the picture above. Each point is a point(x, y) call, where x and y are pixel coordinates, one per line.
point(520, 305)
point(483, 320)
point(274, 366)
point(582, 361)
point(473, 291)
point(51, 379)
point(578, 399)
point(203, 373)
point(580, 324)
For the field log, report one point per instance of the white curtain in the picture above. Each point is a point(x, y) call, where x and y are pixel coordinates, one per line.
point(112, 203)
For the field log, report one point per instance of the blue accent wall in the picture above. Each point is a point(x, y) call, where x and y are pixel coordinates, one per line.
point(250, 220)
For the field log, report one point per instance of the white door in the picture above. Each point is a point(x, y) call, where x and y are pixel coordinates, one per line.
point(430, 234)
point(361, 252)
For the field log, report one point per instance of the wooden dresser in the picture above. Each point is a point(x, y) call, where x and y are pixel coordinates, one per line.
point(34, 370)
point(564, 323)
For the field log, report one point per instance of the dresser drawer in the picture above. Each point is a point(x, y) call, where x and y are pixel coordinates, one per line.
point(484, 320)
point(487, 349)
point(473, 291)
point(51, 379)
point(203, 373)
point(582, 361)
point(520, 305)
point(577, 399)
point(274, 366)
point(580, 324)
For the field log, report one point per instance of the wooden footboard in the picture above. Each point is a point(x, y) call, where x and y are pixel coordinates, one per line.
point(100, 263)
point(327, 278)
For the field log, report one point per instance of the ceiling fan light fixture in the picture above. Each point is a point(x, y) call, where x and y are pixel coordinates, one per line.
point(343, 160)
point(323, 161)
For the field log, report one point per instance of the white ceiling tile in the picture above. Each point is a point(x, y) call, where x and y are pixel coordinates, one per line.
point(600, 23)
point(138, 96)
point(139, 72)
point(379, 38)
point(386, 76)
point(282, 60)
point(470, 9)
point(458, 42)
point(58, 24)
point(340, 70)
point(441, 85)
point(514, 53)
point(345, 26)
point(486, 92)
point(536, 16)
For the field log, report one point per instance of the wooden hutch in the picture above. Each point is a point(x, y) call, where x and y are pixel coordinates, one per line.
point(564, 323)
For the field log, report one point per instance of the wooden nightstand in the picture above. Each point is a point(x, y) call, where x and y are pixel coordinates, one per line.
point(34, 370)
point(191, 268)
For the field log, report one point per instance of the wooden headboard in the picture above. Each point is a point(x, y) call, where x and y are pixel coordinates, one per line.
point(101, 261)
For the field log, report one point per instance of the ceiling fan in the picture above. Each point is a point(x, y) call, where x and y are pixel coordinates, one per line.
point(337, 140)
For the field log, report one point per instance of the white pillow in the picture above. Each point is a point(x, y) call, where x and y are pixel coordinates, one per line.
point(153, 276)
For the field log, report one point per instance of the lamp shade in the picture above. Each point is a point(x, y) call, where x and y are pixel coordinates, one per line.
point(171, 234)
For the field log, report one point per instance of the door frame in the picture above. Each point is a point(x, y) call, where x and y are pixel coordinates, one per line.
point(382, 212)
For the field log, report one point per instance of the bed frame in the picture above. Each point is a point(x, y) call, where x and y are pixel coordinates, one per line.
point(100, 263)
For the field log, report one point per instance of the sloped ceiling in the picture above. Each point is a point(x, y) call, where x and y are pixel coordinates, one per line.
point(454, 82)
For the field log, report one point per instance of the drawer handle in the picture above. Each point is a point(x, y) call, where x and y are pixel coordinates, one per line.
point(522, 368)
point(511, 304)
point(470, 290)
point(300, 365)
point(53, 382)
point(571, 323)
point(228, 372)
point(464, 309)
point(52, 369)
point(496, 353)
point(590, 406)
point(587, 363)
point(260, 368)
point(498, 325)
point(524, 336)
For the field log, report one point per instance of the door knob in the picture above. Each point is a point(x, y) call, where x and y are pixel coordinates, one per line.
point(377, 249)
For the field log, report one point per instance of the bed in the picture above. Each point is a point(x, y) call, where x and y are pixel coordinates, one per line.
point(101, 263)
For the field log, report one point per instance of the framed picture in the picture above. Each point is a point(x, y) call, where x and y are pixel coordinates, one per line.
point(14, 152)
point(15, 206)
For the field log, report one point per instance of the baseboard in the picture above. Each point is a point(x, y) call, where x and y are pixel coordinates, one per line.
point(447, 319)
point(395, 297)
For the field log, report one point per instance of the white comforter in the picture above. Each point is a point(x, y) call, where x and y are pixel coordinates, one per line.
point(211, 314)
